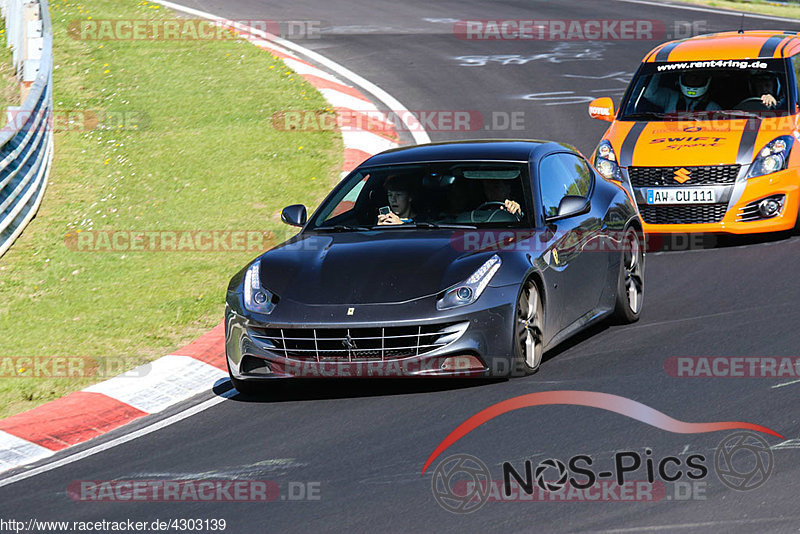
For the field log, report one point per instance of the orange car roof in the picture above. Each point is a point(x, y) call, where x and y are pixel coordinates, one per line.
point(728, 45)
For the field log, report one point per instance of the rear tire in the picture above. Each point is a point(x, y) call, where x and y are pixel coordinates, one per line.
point(630, 283)
point(529, 328)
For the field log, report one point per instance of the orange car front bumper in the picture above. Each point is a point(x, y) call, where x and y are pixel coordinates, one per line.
point(785, 182)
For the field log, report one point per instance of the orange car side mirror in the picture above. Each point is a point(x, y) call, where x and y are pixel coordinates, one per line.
point(602, 108)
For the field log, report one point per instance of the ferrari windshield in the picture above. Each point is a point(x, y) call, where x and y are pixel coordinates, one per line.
point(721, 88)
point(429, 195)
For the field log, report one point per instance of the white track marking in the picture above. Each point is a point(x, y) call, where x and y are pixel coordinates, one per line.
point(341, 100)
point(785, 384)
point(301, 67)
point(16, 451)
point(788, 444)
point(273, 46)
point(160, 384)
point(366, 141)
point(158, 425)
point(418, 133)
point(737, 14)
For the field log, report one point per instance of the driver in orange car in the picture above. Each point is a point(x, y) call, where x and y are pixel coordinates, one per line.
point(766, 87)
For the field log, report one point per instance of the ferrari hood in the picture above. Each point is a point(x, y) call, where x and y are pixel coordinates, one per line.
point(366, 267)
point(693, 143)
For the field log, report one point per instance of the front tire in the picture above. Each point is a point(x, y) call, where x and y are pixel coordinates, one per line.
point(630, 284)
point(529, 328)
point(245, 387)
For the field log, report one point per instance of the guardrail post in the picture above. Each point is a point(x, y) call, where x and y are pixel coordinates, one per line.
point(32, 42)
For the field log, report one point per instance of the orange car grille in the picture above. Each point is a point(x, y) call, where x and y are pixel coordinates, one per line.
point(665, 176)
point(691, 214)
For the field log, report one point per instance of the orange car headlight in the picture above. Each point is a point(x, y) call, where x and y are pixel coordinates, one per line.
point(772, 158)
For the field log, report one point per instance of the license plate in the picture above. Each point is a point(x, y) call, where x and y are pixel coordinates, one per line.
point(675, 195)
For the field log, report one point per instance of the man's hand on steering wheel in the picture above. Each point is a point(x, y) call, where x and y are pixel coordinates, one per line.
point(769, 100)
point(512, 207)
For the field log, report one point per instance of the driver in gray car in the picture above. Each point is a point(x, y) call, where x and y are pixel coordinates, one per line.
point(500, 191)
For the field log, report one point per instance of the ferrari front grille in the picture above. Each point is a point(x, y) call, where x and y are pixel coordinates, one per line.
point(666, 177)
point(357, 344)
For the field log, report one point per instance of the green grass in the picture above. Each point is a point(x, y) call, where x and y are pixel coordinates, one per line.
point(753, 6)
point(206, 159)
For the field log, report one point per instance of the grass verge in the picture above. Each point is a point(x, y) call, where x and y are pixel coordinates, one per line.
point(162, 136)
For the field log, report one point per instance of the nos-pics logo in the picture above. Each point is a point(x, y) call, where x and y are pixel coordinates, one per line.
point(462, 483)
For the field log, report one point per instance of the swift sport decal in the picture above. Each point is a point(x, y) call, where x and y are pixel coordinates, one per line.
point(746, 145)
point(629, 144)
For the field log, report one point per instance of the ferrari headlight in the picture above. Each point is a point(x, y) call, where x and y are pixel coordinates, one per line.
point(772, 158)
point(605, 161)
point(256, 298)
point(470, 290)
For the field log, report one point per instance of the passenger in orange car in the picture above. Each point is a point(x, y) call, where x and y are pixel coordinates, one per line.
point(692, 94)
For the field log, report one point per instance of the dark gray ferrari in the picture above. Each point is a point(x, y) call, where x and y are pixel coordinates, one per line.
point(453, 259)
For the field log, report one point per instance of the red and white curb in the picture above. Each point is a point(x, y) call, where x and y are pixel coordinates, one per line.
point(91, 412)
point(194, 369)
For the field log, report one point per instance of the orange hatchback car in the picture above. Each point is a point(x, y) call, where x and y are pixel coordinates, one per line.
point(705, 136)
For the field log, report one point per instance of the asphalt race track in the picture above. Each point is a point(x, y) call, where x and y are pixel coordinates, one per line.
point(363, 444)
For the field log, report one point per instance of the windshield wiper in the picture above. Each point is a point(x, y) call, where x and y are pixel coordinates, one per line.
point(646, 115)
point(729, 112)
point(437, 226)
point(343, 228)
point(354, 228)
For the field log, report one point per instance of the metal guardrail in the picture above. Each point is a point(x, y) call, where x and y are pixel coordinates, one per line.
point(26, 141)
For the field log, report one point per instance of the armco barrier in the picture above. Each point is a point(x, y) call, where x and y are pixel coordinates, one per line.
point(26, 141)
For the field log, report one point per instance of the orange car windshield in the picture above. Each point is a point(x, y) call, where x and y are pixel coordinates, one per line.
point(668, 91)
